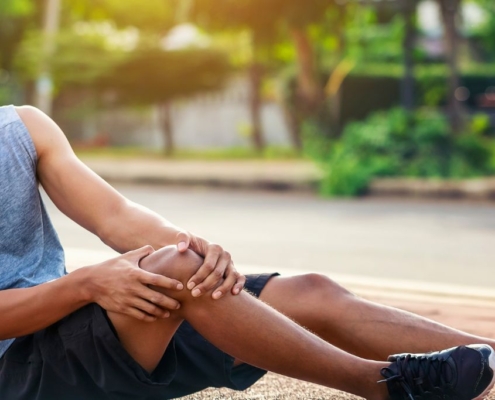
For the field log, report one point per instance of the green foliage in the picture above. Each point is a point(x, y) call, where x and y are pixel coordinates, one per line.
point(486, 31)
point(221, 154)
point(104, 59)
point(79, 59)
point(259, 15)
point(16, 8)
point(14, 16)
point(154, 76)
point(369, 41)
point(398, 143)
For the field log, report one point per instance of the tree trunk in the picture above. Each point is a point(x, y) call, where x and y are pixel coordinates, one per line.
point(309, 94)
point(165, 117)
point(449, 10)
point(340, 30)
point(255, 104)
point(407, 89)
point(309, 90)
point(293, 125)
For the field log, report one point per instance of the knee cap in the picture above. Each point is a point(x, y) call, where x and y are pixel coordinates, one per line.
point(169, 262)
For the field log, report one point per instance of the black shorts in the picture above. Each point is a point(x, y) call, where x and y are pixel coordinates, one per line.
point(81, 358)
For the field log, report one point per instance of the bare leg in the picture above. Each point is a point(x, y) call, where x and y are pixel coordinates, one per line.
point(277, 344)
point(361, 327)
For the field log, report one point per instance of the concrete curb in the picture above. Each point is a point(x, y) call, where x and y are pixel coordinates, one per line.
point(272, 175)
point(476, 189)
point(294, 175)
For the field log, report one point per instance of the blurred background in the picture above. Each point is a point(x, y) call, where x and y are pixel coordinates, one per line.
point(336, 97)
point(366, 88)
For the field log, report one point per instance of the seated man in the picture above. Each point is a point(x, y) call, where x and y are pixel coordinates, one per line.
point(163, 324)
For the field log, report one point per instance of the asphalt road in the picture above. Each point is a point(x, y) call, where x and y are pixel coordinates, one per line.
point(447, 242)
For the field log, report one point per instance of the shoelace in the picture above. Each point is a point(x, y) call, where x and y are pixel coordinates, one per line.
point(422, 377)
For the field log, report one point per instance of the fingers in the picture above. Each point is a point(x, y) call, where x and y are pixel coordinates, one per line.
point(239, 285)
point(211, 272)
point(149, 305)
point(228, 283)
point(148, 278)
point(234, 283)
point(138, 254)
point(151, 309)
point(183, 241)
point(138, 314)
point(158, 299)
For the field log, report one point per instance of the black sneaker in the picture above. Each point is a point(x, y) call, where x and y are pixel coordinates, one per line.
point(460, 373)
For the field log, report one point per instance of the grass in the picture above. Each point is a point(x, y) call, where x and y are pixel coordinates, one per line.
point(440, 70)
point(235, 153)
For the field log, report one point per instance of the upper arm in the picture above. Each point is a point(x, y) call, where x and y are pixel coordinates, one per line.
point(76, 190)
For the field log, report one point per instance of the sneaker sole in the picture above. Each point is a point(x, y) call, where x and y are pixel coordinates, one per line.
point(491, 363)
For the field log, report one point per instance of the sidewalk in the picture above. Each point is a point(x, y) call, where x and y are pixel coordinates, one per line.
point(296, 175)
point(255, 174)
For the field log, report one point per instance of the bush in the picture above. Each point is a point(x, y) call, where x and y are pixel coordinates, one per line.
point(398, 143)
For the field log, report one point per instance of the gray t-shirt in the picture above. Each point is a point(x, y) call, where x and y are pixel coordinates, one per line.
point(30, 251)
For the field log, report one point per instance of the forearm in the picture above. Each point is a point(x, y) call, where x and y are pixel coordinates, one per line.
point(25, 311)
point(133, 226)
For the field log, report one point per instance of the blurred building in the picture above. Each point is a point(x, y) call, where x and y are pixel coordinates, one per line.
point(215, 120)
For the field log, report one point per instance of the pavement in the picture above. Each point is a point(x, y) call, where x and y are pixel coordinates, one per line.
point(470, 309)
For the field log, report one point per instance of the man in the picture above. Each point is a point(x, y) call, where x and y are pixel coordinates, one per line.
point(118, 330)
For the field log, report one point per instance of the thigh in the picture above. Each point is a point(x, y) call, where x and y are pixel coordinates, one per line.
point(80, 358)
point(309, 299)
point(146, 342)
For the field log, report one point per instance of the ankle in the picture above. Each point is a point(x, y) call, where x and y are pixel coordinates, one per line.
point(371, 389)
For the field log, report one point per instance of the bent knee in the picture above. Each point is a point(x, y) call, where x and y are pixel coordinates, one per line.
point(322, 285)
point(169, 262)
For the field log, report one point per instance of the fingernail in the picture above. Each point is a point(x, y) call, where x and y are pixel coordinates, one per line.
point(180, 286)
point(166, 315)
point(196, 292)
point(190, 285)
point(217, 295)
point(182, 246)
point(236, 290)
point(178, 306)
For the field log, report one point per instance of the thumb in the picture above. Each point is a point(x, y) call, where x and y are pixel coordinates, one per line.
point(138, 254)
point(183, 241)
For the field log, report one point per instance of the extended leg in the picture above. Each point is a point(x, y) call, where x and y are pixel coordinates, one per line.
point(278, 344)
point(361, 327)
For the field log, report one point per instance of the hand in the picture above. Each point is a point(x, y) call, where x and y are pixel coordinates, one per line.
point(120, 286)
point(218, 268)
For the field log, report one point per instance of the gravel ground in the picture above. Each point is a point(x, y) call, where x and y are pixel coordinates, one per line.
point(477, 319)
point(276, 387)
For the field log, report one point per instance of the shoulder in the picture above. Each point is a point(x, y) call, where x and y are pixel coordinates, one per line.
point(45, 133)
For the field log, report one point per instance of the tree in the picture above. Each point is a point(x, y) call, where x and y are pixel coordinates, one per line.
point(237, 16)
point(154, 76)
point(408, 10)
point(450, 14)
point(14, 18)
point(94, 56)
